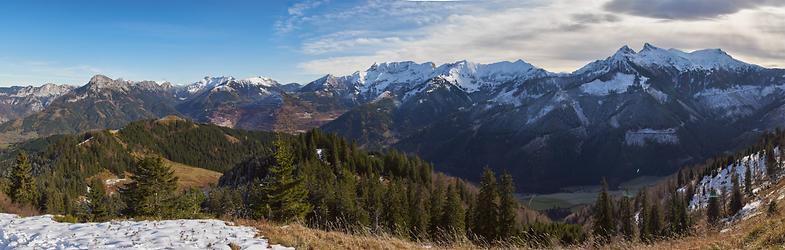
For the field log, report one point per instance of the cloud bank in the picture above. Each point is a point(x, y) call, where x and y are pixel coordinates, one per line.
point(558, 35)
point(686, 9)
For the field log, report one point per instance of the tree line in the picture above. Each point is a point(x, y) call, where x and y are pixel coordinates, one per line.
point(314, 178)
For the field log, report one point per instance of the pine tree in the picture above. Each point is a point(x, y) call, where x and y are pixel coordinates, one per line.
point(486, 213)
point(645, 214)
point(436, 205)
point(626, 219)
point(713, 210)
point(419, 217)
point(152, 189)
point(285, 192)
point(655, 219)
point(747, 180)
point(604, 226)
point(99, 202)
point(452, 220)
point(394, 216)
point(678, 218)
point(508, 206)
point(737, 197)
point(771, 162)
point(23, 188)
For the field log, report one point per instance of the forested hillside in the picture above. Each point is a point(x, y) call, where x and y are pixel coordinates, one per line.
point(719, 197)
point(316, 178)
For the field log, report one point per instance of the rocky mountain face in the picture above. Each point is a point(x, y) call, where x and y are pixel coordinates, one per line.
point(632, 114)
point(256, 103)
point(17, 102)
point(101, 103)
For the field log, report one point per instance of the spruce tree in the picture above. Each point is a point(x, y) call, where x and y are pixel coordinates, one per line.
point(626, 218)
point(678, 218)
point(285, 192)
point(643, 218)
point(508, 206)
point(23, 188)
point(737, 197)
point(436, 205)
point(486, 213)
point(604, 226)
point(98, 201)
point(452, 221)
point(747, 180)
point(151, 190)
point(655, 219)
point(394, 215)
point(771, 162)
point(713, 209)
point(419, 217)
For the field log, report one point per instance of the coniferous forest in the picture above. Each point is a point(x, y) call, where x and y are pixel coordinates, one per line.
point(322, 181)
point(314, 178)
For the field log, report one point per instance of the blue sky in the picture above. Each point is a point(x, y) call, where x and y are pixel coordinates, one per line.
point(300, 40)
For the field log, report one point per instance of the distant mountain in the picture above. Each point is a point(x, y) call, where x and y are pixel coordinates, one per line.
point(101, 103)
point(18, 102)
point(633, 113)
point(256, 103)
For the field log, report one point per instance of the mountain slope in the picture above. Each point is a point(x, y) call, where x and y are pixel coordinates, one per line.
point(18, 102)
point(101, 103)
point(631, 114)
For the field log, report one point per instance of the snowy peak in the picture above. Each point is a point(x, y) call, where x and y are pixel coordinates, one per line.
point(228, 83)
point(653, 57)
point(260, 81)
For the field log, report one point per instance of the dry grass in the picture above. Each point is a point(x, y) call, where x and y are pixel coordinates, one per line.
point(760, 231)
point(301, 237)
point(187, 177)
point(6, 206)
point(193, 177)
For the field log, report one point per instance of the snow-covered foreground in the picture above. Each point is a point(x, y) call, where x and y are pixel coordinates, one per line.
point(41, 232)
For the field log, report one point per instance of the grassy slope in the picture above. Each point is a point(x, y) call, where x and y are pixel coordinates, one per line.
point(193, 177)
point(760, 231)
point(188, 176)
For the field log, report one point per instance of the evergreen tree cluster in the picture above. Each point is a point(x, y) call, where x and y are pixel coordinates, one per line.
point(316, 178)
point(644, 218)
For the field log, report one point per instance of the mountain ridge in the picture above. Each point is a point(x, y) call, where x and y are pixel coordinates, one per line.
point(628, 107)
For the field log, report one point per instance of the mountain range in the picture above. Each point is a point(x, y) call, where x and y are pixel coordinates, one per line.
point(634, 113)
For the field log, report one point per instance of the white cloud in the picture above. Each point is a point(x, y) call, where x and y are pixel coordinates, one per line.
point(559, 35)
point(40, 72)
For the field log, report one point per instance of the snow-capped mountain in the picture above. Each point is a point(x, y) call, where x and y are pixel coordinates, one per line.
point(406, 79)
point(17, 102)
point(633, 113)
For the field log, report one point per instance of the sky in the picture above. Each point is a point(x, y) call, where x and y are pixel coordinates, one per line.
point(68, 42)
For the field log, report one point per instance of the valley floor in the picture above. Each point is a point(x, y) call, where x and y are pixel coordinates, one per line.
point(42, 232)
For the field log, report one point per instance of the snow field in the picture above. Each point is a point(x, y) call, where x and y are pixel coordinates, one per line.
point(41, 232)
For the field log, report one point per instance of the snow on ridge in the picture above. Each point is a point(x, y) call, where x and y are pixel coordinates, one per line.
point(259, 80)
point(41, 232)
point(722, 181)
point(650, 55)
point(618, 84)
point(643, 136)
point(737, 100)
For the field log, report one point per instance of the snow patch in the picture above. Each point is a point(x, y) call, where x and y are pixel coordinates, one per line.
point(642, 136)
point(41, 232)
point(618, 84)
